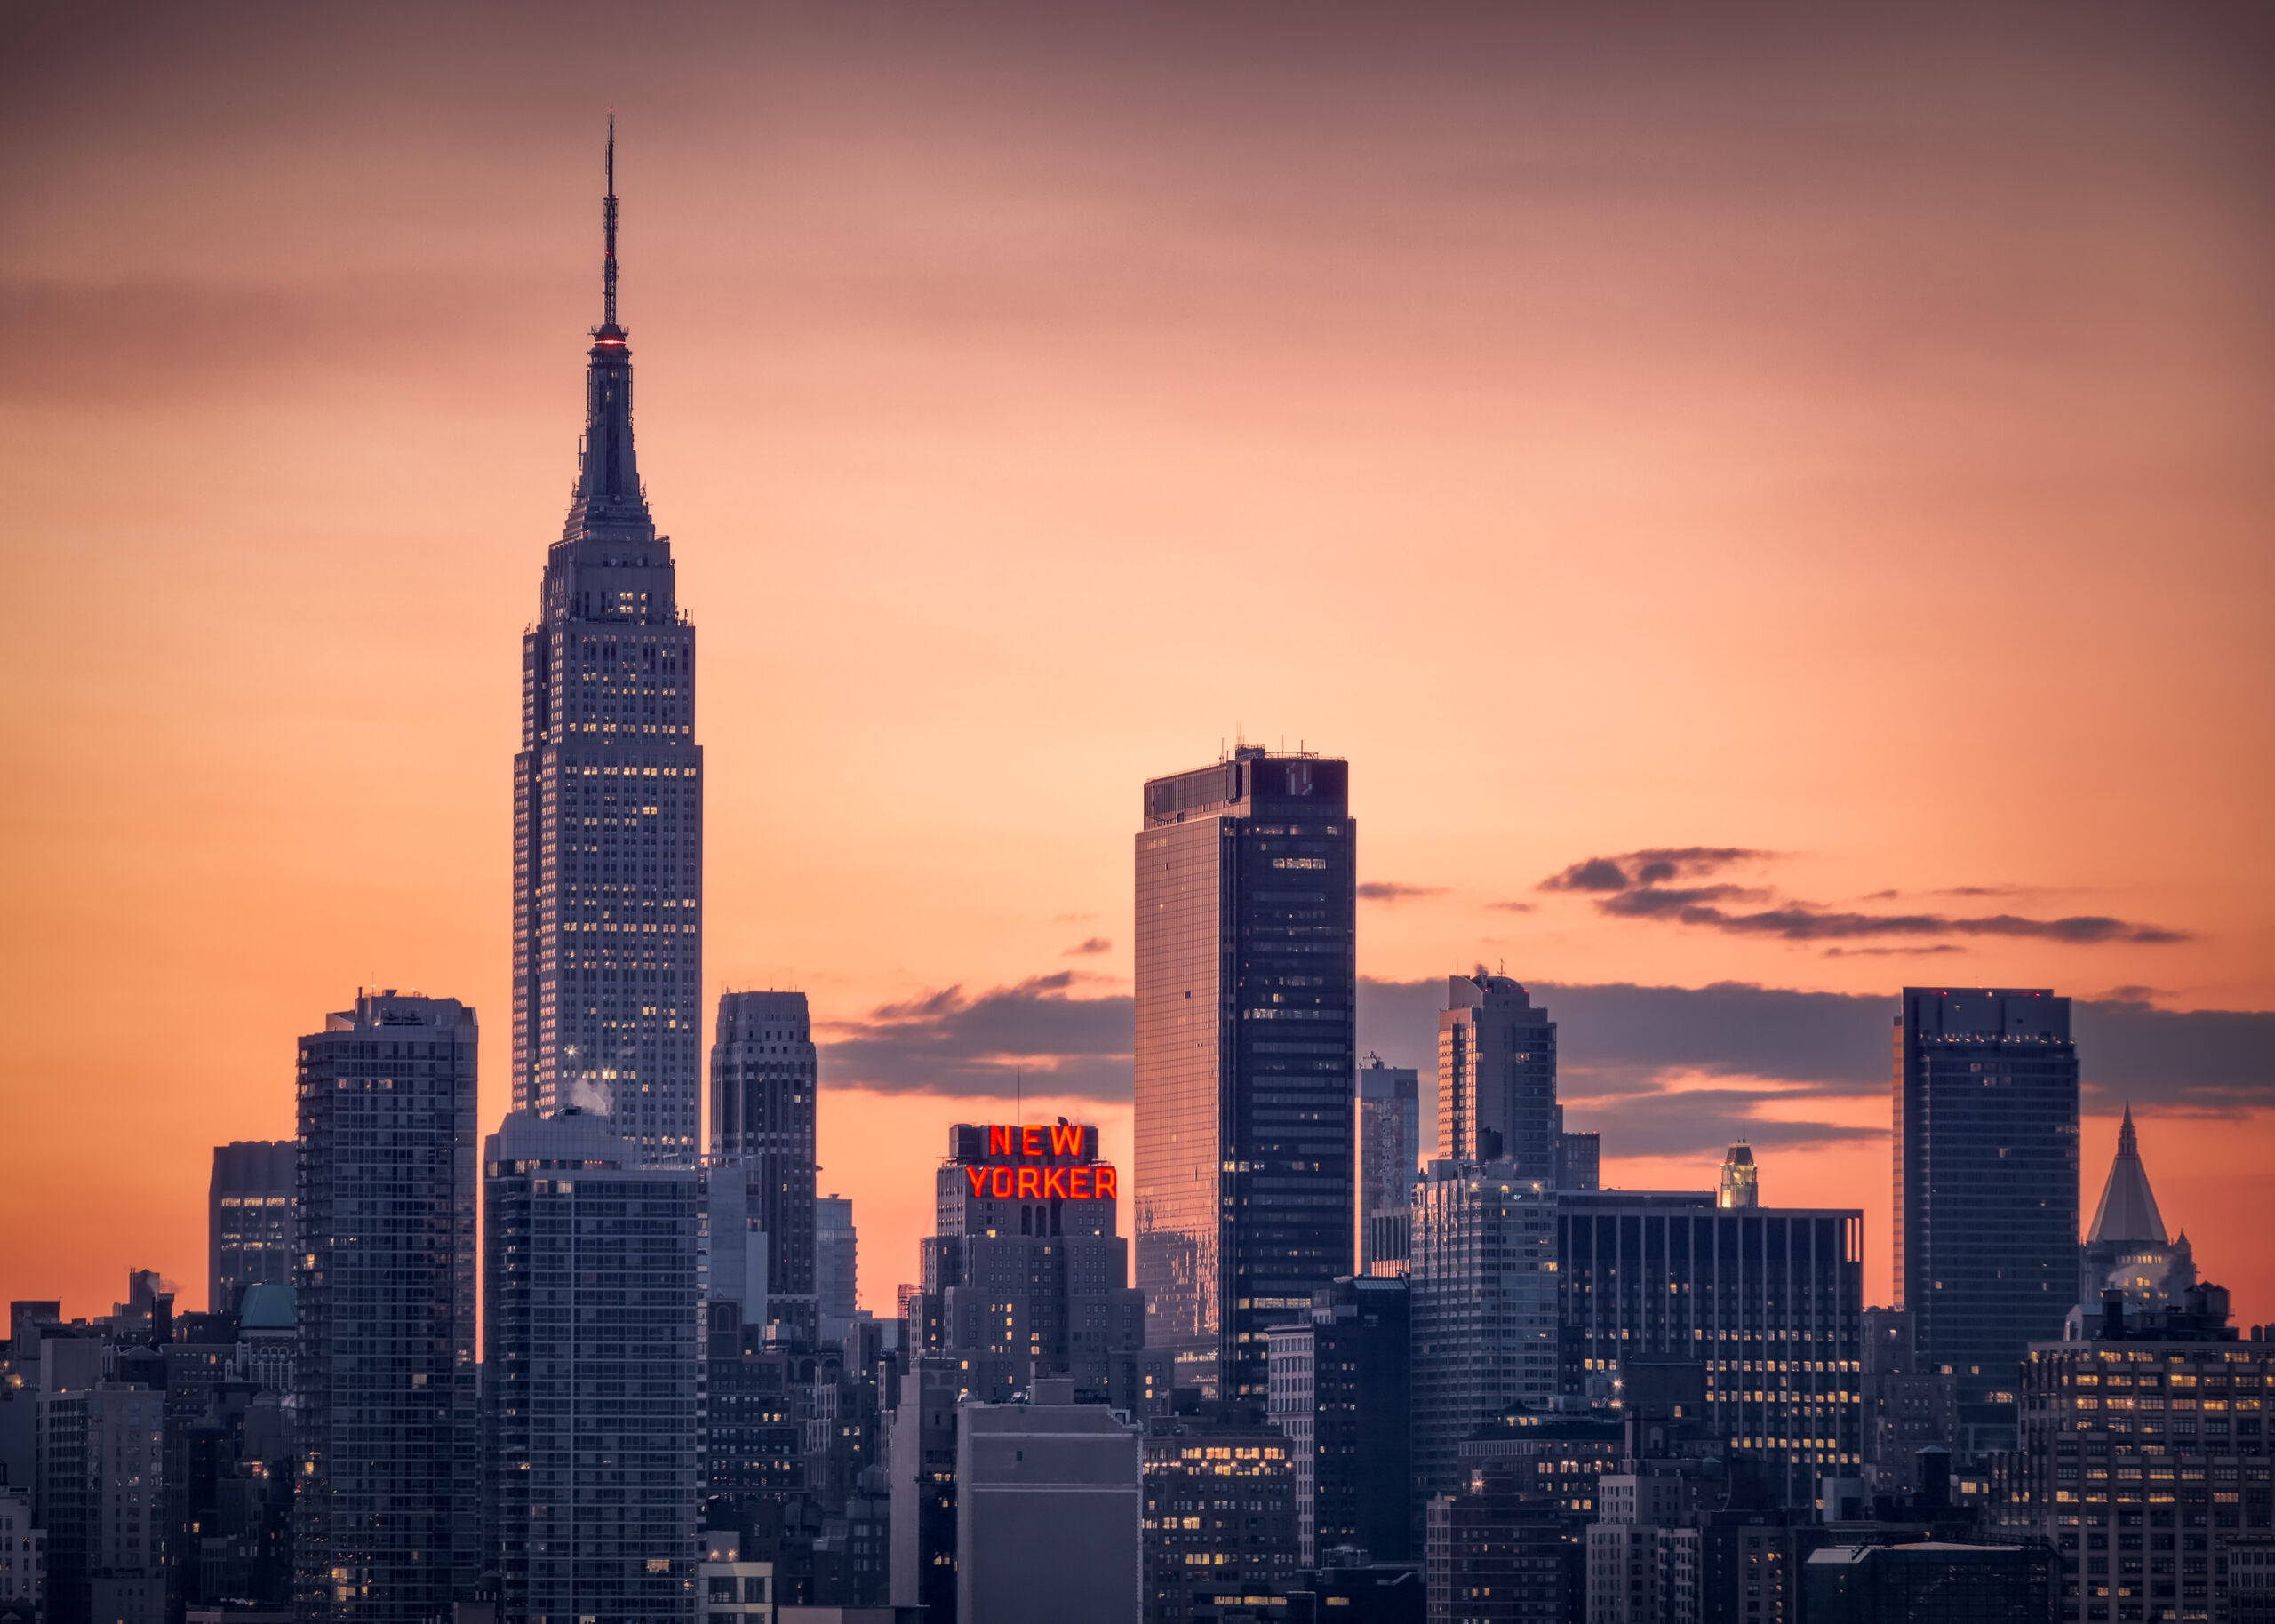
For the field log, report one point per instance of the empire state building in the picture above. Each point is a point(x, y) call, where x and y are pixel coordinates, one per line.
point(608, 796)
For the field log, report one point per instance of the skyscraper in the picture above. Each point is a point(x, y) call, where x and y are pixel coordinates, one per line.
point(592, 1338)
point(248, 1219)
point(1389, 1109)
point(1986, 1188)
point(386, 1513)
point(762, 1116)
point(608, 797)
point(1496, 1078)
point(1244, 1194)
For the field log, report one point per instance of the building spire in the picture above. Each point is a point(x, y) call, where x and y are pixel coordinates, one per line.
point(2128, 1210)
point(608, 232)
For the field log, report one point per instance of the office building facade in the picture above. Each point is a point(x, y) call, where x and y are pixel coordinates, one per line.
point(1768, 1298)
point(764, 1083)
point(608, 797)
point(2144, 1456)
point(590, 1334)
point(1340, 1380)
point(1246, 1002)
point(1387, 1104)
point(1495, 1553)
point(1483, 1304)
point(248, 1219)
point(386, 1522)
point(1580, 1158)
point(1986, 1187)
point(1219, 1511)
point(1497, 1078)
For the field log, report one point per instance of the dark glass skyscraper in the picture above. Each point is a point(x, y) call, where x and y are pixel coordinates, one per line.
point(1986, 1188)
point(608, 798)
point(248, 1219)
point(763, 1084)
point(1244, 1189)
point(388, 1502)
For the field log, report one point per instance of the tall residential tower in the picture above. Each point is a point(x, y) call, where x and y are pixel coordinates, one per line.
point(608, 797)
point(1244, 1194)
point(1496, 1078)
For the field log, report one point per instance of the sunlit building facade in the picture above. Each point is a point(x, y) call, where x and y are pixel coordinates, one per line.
point(1243, 1192)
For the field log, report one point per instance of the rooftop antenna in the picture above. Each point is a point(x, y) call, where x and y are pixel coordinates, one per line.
point(608, 229)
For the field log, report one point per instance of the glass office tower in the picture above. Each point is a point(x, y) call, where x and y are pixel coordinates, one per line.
point(1986, 1188)
point(1244, 1189)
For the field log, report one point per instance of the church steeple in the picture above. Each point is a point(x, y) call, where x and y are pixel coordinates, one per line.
point(609, 499)
point(2128, 1209)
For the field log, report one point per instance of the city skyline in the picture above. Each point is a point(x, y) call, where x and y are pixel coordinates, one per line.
point(979, 935)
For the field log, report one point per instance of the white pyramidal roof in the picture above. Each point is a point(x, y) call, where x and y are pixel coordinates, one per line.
point(2128, 1209)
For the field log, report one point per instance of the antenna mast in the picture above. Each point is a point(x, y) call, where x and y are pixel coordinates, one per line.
point(608, 228)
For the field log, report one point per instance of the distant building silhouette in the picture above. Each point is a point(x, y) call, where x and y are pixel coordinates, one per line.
point(248, 1219)
point(1496, 1078)
point(1246, 1003)
point(1986, 1188)
point(1388, 1109)
point(837, 1281)
point(386, 1509)
point(608, 797)
point(763, 1088)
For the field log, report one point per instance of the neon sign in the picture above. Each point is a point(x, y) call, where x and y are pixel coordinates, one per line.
point(1046, 1165)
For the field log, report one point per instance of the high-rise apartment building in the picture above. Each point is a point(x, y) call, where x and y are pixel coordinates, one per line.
point(1246, 996)
point(1986, 1188)
point(608, 798)
point(1389, 1114)
point(764, 1080)
point(386, 1515)
point(1483, 1305)
point(1025, 1273)
point(1497, 1078)
point(591, 1339)
point(1496, 1553)
point(1580, 1158)
point(248, 1219)
point(1769, 1299)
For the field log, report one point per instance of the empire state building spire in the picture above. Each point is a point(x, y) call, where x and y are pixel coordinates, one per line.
point(609, 498)
point(607, 795)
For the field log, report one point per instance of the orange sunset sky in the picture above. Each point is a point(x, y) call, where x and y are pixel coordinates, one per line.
point(1843, 443)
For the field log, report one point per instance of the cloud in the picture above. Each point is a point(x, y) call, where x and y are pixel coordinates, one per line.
point(1888, 952)
point(1094, 944)
point(1392, 891)
point(1514, 907)
point(950, 1042)
point(1634, 886)
point(1648, 867)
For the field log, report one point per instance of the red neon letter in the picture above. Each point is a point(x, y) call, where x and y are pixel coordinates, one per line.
point(1065, 1140)
point(1054, 1183)
point(1078, 1183)
point(1030, 1141)
point(999, 1140)
point(1030, 1184)
point(1107, 1182)
point(978, 1177)
point(1000, 1180)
